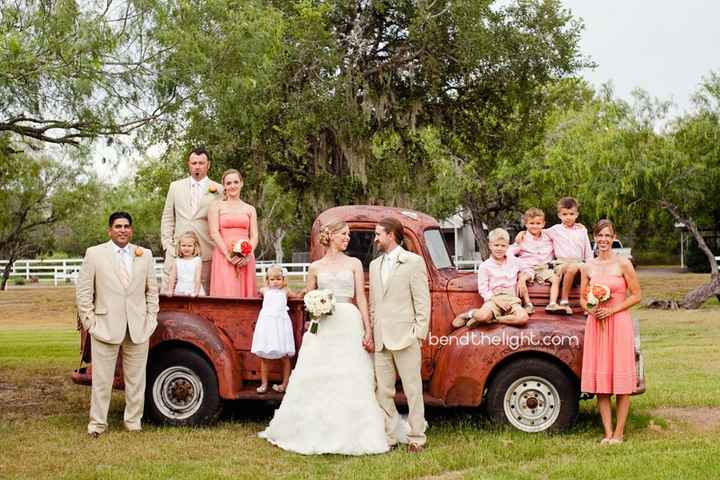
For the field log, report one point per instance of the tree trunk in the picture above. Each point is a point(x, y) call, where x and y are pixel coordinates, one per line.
point(697, 297)
point(279, 236)
point(690, 223)
point(6, 274)
point(480, 236)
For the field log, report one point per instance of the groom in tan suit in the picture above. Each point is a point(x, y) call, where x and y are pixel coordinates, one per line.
point(399, 311)
point(117, 302)
point(186, 209)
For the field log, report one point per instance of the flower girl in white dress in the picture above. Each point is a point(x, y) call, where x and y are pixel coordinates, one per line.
point(273, 337)
point(185, 273)
point(330, 404)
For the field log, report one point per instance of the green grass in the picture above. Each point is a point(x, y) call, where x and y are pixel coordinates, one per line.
point(673, 432)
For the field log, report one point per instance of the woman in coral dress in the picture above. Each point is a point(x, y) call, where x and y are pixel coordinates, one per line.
point(231, 220)
point(609, 350)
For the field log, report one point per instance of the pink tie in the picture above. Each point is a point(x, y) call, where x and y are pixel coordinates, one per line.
point(124, 276)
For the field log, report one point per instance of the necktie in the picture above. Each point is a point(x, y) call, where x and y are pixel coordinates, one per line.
point(124, 274)
point(387, 267)
point(194, 196)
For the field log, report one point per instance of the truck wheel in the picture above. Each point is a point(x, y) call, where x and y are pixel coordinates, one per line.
point(182, 389)
point(533, 395)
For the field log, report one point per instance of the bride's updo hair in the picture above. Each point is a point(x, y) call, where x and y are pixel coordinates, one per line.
point(604, 223)
point(332, 226)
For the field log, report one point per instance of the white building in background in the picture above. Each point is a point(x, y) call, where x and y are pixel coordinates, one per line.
point(459, 237)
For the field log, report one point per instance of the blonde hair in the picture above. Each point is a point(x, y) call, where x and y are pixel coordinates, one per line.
point(196, 244)
point(532, 213)
point(275, 269)
point(227, 172)
point(332, 226)
point(499, 234)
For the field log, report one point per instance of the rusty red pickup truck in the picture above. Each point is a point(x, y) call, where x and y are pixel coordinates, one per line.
point(527, 377)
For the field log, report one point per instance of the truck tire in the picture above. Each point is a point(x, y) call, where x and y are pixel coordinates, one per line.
point(533, 395)
point(182, 389)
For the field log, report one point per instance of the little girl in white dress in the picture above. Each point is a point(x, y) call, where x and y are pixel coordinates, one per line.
point(185, 273)
point(273, 337)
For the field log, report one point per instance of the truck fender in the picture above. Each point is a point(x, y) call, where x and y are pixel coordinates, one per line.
point(178, 328)
point(465, 365)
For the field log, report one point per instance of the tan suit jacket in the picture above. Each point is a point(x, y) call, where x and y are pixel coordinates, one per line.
point(178, 217)
point(400, 309)
point(107, 309)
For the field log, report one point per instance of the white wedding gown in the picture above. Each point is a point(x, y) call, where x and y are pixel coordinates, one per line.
point(330, 404)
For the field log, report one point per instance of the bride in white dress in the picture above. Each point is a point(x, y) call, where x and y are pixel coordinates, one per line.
point(330, 405)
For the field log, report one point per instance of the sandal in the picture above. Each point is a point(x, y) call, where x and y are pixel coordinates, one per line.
point(565, 306)
point(278, 388)
point(530, 308)
point(605, 441)
point(261, 389)
point(554, 308)
point(615, 441)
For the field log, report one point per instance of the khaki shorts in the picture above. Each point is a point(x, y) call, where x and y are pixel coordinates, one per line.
point(562, 262)
point(542, 273)
point(515, 305)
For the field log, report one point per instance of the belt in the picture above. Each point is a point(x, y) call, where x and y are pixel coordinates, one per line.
point(343, 300)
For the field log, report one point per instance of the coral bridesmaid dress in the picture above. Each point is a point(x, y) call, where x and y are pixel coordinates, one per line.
point(609, 350)
point(225, 279)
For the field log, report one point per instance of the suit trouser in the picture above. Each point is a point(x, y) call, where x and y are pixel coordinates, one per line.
point(406, 363)
point(204, 275)
point(134, 361)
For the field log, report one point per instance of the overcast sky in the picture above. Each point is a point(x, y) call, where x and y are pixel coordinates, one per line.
point(662, 46)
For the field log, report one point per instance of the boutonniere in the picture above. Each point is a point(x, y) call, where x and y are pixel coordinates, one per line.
point(139, 252)
point(212, 189)
point(402, 258)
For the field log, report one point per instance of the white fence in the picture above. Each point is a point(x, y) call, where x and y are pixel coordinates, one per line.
point(66, 271)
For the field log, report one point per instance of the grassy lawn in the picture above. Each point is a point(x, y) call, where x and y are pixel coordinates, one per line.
point(674, 429)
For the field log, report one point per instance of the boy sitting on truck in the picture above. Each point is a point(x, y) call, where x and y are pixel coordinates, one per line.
point(535, 253)
point(497, 283)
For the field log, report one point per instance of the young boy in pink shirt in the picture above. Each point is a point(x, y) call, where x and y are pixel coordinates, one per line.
point(572, 249)
point(536, 254)
point(497, 283)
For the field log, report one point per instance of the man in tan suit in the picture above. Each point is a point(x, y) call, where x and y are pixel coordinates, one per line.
point(399, 311)
point(117, 301)
point(186, 209)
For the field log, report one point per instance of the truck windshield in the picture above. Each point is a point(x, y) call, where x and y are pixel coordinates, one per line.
point(438, 251)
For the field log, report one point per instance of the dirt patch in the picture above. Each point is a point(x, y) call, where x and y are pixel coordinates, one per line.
point(33, 307)
point(698, 419)
point(37, 398)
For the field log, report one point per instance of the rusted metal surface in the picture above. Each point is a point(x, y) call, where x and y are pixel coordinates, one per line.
point(455, 373)
point(471, 356)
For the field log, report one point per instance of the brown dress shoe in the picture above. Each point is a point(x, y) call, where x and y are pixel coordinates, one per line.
point(94, 434)
point(415, 448)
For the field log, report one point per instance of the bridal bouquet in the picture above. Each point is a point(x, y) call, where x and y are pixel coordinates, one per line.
point(318, 303)
point(241, 248)
point(597, 294)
